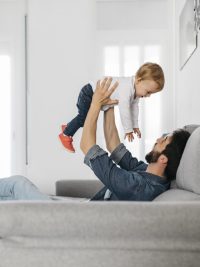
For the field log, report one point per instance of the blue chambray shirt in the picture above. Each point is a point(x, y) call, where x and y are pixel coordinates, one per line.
point(128, 181)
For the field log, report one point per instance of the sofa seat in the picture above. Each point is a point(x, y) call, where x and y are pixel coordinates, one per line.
point(93, 234)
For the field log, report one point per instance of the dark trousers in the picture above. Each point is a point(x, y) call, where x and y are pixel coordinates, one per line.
point(83, 105)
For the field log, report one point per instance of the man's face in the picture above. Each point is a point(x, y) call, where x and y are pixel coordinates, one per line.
point(158, 148)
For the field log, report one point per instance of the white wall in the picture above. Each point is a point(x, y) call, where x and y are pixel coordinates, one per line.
point(60, 49)
point(129, 15)
point(187, 80)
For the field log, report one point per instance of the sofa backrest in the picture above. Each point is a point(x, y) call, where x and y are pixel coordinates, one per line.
point(188, 173)
point(177, 195)
point(187, 185)
point(78, 188)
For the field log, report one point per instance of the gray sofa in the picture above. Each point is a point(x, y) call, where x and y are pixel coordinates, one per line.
point(165, 232)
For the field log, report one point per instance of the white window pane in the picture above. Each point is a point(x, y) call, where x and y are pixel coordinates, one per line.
point(131, 60)
point(131, 63)
point(152, 106)
point(111, 61)
point(5, 116)
point(152, 119)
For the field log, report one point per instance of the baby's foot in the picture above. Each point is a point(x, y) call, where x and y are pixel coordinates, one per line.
point(67, 142)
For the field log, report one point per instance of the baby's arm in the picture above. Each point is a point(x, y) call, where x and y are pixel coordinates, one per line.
point(135, 115)
point(125, 115)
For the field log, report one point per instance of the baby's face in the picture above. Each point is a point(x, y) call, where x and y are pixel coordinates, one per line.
point(144, 88)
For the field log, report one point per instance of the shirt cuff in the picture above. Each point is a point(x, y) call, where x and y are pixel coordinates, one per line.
point(135, 124)
point(128, 130)
point(118, 153)
point(106, 107)
point(93, 152)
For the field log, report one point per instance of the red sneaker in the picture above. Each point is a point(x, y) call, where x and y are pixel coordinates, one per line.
point(67, 142)
point(63, 126)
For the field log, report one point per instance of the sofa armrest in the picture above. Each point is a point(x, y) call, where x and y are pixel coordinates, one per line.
point(78, 188)
point(191, 127)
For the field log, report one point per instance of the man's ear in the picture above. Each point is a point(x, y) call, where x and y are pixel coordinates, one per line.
point(163, 159)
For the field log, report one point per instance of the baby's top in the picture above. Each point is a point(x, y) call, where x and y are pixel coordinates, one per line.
point(128, 105)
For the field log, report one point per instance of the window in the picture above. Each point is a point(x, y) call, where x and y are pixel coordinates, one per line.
point(5, 116)
point(131, 60)
point(124, 61)
point(111, 61)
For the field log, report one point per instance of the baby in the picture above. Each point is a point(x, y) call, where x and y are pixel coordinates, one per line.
point(149, 79)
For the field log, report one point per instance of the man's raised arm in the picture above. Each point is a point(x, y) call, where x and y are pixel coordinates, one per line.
point(110, 130)
point(101, 97)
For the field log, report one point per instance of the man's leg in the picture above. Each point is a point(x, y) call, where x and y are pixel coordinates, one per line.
point(19, 188)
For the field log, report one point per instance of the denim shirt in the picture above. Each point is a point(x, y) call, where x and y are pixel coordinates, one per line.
point(128, 181)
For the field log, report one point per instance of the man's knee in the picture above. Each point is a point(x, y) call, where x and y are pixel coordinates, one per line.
point(20, 182)
point(22, 186)
point(14, 179)
point(18, 178)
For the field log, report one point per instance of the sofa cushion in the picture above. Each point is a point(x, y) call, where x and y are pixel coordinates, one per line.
point(191, 127)
point(188, 172)
point(177, 195)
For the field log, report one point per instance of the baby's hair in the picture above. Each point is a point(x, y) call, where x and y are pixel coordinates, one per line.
point(152, 71)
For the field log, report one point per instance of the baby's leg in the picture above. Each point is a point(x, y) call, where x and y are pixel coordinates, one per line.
point(83, 105)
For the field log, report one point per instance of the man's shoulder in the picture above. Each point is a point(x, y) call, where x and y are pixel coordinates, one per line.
point(141, 166)
point(152, 179)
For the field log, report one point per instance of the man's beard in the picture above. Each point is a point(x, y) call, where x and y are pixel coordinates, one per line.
point(152, 156)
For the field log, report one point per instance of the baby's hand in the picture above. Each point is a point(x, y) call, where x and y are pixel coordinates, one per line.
point(137, 131)
point(129, 136)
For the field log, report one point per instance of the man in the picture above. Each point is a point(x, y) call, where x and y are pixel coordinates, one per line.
point(134, 180)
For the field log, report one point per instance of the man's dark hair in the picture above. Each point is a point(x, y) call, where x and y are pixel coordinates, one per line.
point(174, 151)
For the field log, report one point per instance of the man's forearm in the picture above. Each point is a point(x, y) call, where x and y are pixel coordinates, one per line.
point(110, 130)
point(89, 130)
point(100, 98)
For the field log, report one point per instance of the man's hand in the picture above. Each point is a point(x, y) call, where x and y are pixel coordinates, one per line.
point(103, 92)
